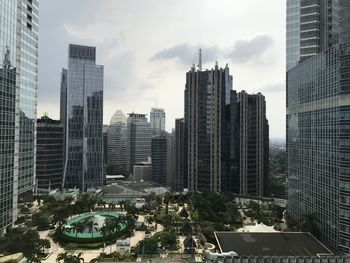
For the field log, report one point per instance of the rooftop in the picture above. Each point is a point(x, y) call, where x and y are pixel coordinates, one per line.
point(270, 244)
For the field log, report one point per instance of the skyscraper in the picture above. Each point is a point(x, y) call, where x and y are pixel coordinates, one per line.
point(139, 134)
point(84, 166)
point(157, 119)
point(116, 141)
point(254, 144)
point(159, 159)
point(207, 104)
point(179, 179)
point(49, 154)
point(19, 83)
point(318, 116)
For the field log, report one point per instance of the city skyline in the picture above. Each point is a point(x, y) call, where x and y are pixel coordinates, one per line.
point(141, 70)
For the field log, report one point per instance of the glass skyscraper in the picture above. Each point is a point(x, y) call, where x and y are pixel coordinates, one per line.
point(18, 88)
point(84, 164)
point(157, 119)
point(318, 121)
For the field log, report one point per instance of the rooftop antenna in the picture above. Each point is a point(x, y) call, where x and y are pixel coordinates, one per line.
point(200, 60)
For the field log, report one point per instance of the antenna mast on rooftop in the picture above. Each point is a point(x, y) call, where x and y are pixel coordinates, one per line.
point(200, 60)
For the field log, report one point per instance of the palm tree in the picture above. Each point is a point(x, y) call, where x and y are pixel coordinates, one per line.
point(78, 227)
point(108, 228)
point(92, 226)
point(69, 257)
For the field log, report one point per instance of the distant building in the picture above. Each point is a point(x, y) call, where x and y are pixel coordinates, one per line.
point(84, 167)
point(49, 155)
point(116, 135)
point(139, 134)
point(254, 144)
point(142, 171)
point(157, 119)
point(159, 160)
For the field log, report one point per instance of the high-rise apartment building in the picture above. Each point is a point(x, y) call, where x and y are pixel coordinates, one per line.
point(49, 155)
point(157, 119)
point(116, 141)
point(254, 144)
point(318, 117)
point(84, 165)
point(139, 134)
point(159, 159)
point(207, 104)
point(18, 86)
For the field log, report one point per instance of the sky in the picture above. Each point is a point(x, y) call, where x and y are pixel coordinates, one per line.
point(147, 46)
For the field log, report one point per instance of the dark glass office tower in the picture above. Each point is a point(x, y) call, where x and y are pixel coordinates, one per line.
point(254, 144)
point(179, 180)
point(159, 160)
point(318, 121)
point(207, 96)
point(49, 155)
point(19, 82)
point(139, 135)
point(84, 166)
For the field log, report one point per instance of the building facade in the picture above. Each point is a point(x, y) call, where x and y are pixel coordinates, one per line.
point(84, 166)
point(159, 159)
point(139, 134)
point(19, 83)
point(157, 119)
point(207, 100)
point(116, 141)
point(254, 144)
point(318, 117)
point(49, 155)
point(179, 183)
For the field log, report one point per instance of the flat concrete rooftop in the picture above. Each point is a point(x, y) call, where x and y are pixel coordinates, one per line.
point(271, 244)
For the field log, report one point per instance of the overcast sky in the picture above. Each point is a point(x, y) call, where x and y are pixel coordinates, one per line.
point(147, 46)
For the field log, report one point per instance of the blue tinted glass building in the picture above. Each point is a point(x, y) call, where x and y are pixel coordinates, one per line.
point(84, 164)
point(18, 88)
point(318, 122)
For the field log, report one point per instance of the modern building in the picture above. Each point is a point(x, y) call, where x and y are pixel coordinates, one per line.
point(179, 183)
point(318, 116)
point(142, 172)
point(18, 98)
point(139, 134)
point(116, 141)
point(157, 119)
point(254, 144)
point(170, 158)
point(49, 155)
point(63, 106)
point(159, 160)
point(84, 166)
point(207, 104)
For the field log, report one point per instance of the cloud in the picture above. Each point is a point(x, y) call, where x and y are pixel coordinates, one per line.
point(273, 88)
point(246, 50)
point(188, 54)
point(243, 51)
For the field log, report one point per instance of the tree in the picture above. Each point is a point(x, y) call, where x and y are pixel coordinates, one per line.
point(42, 244)
point(78, 227)
point(92, 226)
point(147, 246)
point(69, 257)
point(59, 216)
